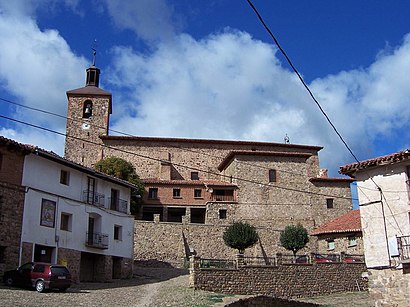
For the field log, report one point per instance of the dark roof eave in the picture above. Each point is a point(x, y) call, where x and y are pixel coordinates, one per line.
point(87, 170)
point(327, 179)
point(210, 141)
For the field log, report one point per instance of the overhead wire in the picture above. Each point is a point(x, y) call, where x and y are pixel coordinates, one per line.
point(275, 186)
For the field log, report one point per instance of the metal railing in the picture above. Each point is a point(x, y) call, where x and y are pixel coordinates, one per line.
point(259, 261)
point(217, 263)
point(93, 198)
point(403, 243)
point(222, 197)
point(97, 240)
point(117, 204)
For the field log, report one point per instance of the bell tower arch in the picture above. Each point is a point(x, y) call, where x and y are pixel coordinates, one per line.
point(88, 116)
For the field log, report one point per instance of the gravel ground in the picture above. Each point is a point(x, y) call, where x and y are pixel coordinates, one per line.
point(150, 287)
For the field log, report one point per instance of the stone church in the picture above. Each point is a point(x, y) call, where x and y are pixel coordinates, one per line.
point(195, 188)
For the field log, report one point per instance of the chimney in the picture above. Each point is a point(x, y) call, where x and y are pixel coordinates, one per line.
point(323, 173)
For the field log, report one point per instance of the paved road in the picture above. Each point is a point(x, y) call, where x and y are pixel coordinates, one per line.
point(149, 287)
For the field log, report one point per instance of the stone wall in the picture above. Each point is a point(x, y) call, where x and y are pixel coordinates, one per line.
point(72, 259)
point(284, 281)
point(11, 219)
point(171, 242)
point(390, 287)
point(341, 243)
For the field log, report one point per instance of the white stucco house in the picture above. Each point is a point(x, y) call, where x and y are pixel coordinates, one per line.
point(384, 198)
point(74, 215)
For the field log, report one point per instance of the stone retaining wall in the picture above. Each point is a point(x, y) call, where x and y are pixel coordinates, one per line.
point(285, 281)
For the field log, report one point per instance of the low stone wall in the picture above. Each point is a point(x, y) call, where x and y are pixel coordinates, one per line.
point(172, 242)
point(284, 280)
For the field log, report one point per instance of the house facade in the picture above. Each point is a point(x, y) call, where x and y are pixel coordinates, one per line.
point(341, 235)
point(384, 197)
point(197, 186)
point(72, 215)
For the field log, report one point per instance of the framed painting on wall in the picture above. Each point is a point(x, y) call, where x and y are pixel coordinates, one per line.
point(48, 212)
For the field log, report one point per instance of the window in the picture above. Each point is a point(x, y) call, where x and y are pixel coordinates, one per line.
point(114, 200)
point(117, 232)
point(87, 109)
point(194, 176)
point(197, 193)
point(2, 254)
point(222, 214)
point(352, 241)
point(39, 268)
point(65, 177)
point(176, 193)
point(329, 203)
point(66, 221)
point(153, 193)
point(272, 175)
point(330, 245)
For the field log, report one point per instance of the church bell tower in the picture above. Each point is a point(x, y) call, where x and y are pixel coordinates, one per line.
point(88, 116)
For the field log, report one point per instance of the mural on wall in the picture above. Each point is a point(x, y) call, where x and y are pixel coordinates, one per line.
point(48, 211)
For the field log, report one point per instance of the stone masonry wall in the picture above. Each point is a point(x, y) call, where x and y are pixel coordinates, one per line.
point(72, 259)
point(11, 220)
point(389, 287)
point(171, 242)
point(284, 281)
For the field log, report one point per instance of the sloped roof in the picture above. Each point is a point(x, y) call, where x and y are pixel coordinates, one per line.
point(234, 153)
point(393, 158)
point(30, 149)
point(213, 183)
point(203, 141)
point(89, 90)
point(349, 222)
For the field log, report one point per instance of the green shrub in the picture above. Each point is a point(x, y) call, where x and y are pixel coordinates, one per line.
point(240, 236)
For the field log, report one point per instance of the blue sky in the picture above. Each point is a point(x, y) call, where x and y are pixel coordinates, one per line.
point(208, 69)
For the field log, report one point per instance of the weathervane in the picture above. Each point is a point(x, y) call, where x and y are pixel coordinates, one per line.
point(94, 49)
point(286, 139)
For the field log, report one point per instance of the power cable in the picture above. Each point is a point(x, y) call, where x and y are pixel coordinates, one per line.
point(176, 164)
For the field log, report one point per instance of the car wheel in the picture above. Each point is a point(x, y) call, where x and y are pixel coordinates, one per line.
point(9, 281)
point(40, 286)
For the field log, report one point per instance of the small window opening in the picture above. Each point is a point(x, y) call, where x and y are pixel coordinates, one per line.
point(222, 214)
point(194, 176)
point(329, 203)
point(176, 193)
point(197, 193)
point(65, 177)
point(87, 109)
point(272, 175)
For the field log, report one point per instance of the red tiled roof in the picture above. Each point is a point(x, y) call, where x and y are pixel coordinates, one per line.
point(212, 183)
point(397, 157)
point(349, 222)
point(232, 154)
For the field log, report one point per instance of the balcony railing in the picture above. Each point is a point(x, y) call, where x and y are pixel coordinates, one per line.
point(93, 198)
point(403, 244)
point(222, 197)
point(118, 204)
point(97, 240)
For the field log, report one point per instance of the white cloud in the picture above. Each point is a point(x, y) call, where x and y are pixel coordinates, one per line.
point(230, 86)
point(151, 20)
point(38, 67)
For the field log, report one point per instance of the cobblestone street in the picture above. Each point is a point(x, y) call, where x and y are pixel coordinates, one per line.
point(149, 287)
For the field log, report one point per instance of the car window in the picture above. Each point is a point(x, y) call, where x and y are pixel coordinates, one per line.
point(26, 266)
point(39, 268)
point(59, 270)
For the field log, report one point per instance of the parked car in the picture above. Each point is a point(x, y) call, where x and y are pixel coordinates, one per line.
point(353, 259)
point(41, 276)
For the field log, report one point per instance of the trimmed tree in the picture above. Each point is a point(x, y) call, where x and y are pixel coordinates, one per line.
point(124, 170)
point(240, 236)
point(294, 238)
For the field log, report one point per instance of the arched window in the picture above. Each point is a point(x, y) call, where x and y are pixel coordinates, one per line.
point(87, 109)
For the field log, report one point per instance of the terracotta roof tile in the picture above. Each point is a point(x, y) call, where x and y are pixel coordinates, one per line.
point(397, 157)
point(349, 222)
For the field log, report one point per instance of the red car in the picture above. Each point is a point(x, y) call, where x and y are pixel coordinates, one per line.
point(41, 276)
